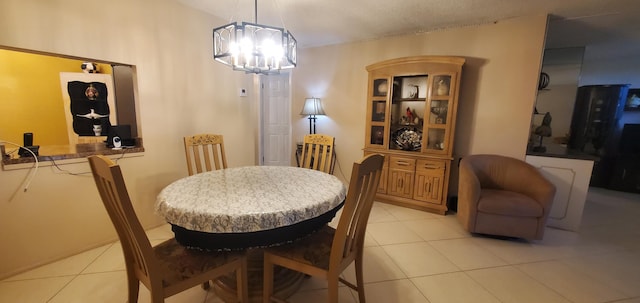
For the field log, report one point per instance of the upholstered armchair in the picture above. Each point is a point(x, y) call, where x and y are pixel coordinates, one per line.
point(503, 196)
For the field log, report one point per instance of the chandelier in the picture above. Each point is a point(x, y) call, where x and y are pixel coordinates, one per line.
point(254, 48)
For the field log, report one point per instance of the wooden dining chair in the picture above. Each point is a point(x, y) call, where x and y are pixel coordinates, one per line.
point(205, 152)
point(318, 153)
point(167, 268)
point(327, 252)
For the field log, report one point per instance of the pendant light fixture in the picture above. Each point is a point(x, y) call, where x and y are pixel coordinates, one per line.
point(254, 48)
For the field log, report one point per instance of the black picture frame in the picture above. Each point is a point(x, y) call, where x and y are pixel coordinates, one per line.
point(633, 100)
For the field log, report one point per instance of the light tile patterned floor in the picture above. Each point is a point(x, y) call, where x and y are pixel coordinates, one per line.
point(413, 256)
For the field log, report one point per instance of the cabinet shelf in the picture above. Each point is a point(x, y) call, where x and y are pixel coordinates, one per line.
point(398, 125)
point(442, 98)
point(408, 99)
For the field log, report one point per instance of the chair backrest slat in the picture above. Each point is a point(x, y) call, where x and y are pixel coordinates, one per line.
point(318, 153)
point(205, 152)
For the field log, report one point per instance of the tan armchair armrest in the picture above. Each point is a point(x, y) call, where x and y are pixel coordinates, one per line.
point(468, 194)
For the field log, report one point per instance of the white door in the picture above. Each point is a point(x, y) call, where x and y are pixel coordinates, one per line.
point(571, 178)
point(276, 120)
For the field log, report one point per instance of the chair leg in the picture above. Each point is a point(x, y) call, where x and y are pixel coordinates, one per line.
point(157, 298)
point(134, 288)
point(359, 280)
point(333, 289)
point(267, 287)
point(242, 283)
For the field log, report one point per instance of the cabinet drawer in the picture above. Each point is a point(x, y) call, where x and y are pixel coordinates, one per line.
point(429, 164)
point(402, 163)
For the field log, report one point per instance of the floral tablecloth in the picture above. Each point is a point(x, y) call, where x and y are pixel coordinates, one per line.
point(249, 199)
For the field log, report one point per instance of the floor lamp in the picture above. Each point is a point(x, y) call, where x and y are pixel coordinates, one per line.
point(312, 108)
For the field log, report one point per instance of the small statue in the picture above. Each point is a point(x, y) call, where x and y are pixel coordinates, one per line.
point(409, 115)
point(543, 130)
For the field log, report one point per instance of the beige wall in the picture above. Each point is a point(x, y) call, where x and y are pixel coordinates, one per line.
point(499, 84)
point(182, 91)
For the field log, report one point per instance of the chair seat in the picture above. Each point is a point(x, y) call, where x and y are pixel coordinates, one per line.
point(180, 263)
point(508, 203)
point(314, 249)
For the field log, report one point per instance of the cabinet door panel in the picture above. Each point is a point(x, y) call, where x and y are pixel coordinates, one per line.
point(428, 186)
point(400, 183)
point(382, 187)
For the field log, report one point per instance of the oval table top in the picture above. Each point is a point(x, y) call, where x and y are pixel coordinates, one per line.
point(249, 199)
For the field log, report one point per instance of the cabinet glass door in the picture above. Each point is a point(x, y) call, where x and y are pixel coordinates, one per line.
point(409, 94)
point(379, 90)
point(439, 115)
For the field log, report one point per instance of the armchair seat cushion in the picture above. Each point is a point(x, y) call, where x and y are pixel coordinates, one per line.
point(508, 203)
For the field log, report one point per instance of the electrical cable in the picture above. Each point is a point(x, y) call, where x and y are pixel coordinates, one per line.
point(52, 160)
point(82, 174)
point(124, 151)
point(36, 164)
point(340, 170)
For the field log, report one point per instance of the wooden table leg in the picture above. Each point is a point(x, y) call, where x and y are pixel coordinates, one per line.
point(286, 282)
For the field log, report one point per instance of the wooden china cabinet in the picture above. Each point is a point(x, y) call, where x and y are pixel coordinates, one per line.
point(411, 114)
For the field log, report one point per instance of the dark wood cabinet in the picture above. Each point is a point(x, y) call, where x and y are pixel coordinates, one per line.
point(626, 174)
point(626, 171)
point(595, 128)
point(594, 124)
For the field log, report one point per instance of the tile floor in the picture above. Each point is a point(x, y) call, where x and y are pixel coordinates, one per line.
point(413, 256)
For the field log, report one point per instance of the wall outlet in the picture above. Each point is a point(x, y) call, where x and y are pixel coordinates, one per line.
point(243, 92)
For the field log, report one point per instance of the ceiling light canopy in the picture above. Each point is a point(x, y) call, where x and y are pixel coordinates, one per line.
point(254, 48)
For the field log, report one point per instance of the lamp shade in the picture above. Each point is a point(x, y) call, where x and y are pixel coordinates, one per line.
point(312, 107)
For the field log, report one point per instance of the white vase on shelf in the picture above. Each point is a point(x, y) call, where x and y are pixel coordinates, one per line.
point(382, 88)
point(442, 89)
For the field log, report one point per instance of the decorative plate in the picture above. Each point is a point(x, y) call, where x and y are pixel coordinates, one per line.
point(408, 139)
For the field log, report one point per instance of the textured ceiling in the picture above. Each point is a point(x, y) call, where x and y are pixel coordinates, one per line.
point(325, 22)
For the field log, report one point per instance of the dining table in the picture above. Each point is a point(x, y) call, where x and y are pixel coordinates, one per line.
point(248, 208)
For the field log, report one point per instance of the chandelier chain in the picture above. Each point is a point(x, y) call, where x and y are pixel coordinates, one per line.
point(233, 13)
